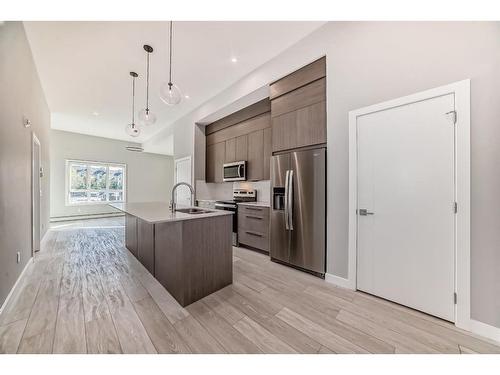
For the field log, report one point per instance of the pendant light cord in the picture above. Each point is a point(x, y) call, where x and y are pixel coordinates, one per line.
point(133, 101)
point(147, 86)
point(170, 71)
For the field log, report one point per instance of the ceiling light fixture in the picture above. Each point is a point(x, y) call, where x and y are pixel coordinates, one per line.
point(186, 96)
point(169, 92)
point(132, 129)
point(234, 59)
point(146, 117)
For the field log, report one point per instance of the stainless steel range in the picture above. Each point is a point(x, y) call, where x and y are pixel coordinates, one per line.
point(239, 195)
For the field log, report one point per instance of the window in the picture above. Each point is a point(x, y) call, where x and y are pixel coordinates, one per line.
point(91, 182)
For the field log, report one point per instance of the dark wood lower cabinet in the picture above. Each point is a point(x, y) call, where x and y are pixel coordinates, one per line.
point(253, 226)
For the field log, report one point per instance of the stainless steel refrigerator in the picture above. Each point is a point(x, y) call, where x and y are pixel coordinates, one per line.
point(298, 212)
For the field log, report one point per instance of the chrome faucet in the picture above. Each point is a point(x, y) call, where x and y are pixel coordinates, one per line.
point(172, 201)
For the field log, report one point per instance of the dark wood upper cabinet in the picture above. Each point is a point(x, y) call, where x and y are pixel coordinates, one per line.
point(293, 116)
point(298, 108)
point(243, 141)
point(241, 152)
point(255, 156)
point(230, 150)
point(299, 78)
point(300, 128)
point(256, 123)
point(210, 164)
point(302, 97)
point(267, 153)
point(244, 114)
point(215, 157)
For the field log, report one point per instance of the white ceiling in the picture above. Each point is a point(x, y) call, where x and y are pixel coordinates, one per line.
point(84, 66)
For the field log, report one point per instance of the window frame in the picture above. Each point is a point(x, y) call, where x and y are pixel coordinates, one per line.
point(88, 190)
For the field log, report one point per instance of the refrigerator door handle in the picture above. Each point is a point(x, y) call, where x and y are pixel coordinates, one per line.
point(286, 199)
point(290, 200)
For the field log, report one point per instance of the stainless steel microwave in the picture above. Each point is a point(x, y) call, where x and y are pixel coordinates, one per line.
point(236, 171)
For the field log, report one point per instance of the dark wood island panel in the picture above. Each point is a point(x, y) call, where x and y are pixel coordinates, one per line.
point(146, 244)
point(131, 233)
point(193, 258)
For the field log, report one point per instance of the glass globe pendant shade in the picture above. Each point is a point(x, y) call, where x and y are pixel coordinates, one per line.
point(170, 93)
point(146, 117)
point(132, 130)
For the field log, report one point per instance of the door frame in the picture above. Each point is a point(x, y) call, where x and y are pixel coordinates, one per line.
point(461, 91)
point(35, 140)
point(190, 165)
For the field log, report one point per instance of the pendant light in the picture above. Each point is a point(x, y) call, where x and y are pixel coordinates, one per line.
point(169, 92)
point(146, 117)
point(132, 129)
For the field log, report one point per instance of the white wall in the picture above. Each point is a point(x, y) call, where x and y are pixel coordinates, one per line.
point(20, 95)
point(149, 176)
point(370, 62)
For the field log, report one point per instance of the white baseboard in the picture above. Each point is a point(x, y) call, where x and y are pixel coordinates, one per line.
point(339, 281)
point(483, 329)
point(9, 296)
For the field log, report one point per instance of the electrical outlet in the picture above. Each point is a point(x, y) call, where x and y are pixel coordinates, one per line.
point(18, 257)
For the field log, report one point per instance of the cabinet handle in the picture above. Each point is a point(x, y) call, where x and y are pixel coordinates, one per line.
point(254, 234)
point(253, 208)
point(254, 217)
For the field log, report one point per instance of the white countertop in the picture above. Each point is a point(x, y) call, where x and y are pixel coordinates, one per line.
point(159, 212)
point(260, 204)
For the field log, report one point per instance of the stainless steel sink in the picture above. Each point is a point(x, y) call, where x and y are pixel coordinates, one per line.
point(193, 211)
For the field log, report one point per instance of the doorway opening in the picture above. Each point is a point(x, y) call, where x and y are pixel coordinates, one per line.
point(182, 169)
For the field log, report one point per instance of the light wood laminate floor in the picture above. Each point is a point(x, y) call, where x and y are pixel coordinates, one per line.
point(85, 293)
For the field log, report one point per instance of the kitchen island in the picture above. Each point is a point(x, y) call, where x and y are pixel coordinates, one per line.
point(188, 251)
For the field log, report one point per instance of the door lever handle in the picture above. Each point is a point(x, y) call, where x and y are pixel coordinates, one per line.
point(364, 212)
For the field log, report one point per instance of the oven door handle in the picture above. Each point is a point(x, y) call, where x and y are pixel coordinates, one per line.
point(225, 206)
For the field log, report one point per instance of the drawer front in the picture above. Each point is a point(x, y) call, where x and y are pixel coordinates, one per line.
point(253, 226)
point(254, 239)
point(252, 222)
point(254, 210)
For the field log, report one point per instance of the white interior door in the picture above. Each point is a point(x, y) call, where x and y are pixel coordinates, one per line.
point(406, 182)
point(183, 174)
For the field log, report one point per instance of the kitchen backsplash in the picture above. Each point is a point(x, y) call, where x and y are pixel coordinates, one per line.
point(224, 191)
point(263, 188)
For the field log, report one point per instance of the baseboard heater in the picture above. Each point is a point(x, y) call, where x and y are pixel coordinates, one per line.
point(56, 219)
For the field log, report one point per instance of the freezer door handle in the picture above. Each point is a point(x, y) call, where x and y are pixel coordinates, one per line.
point(286, 199)
point(290, 200)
